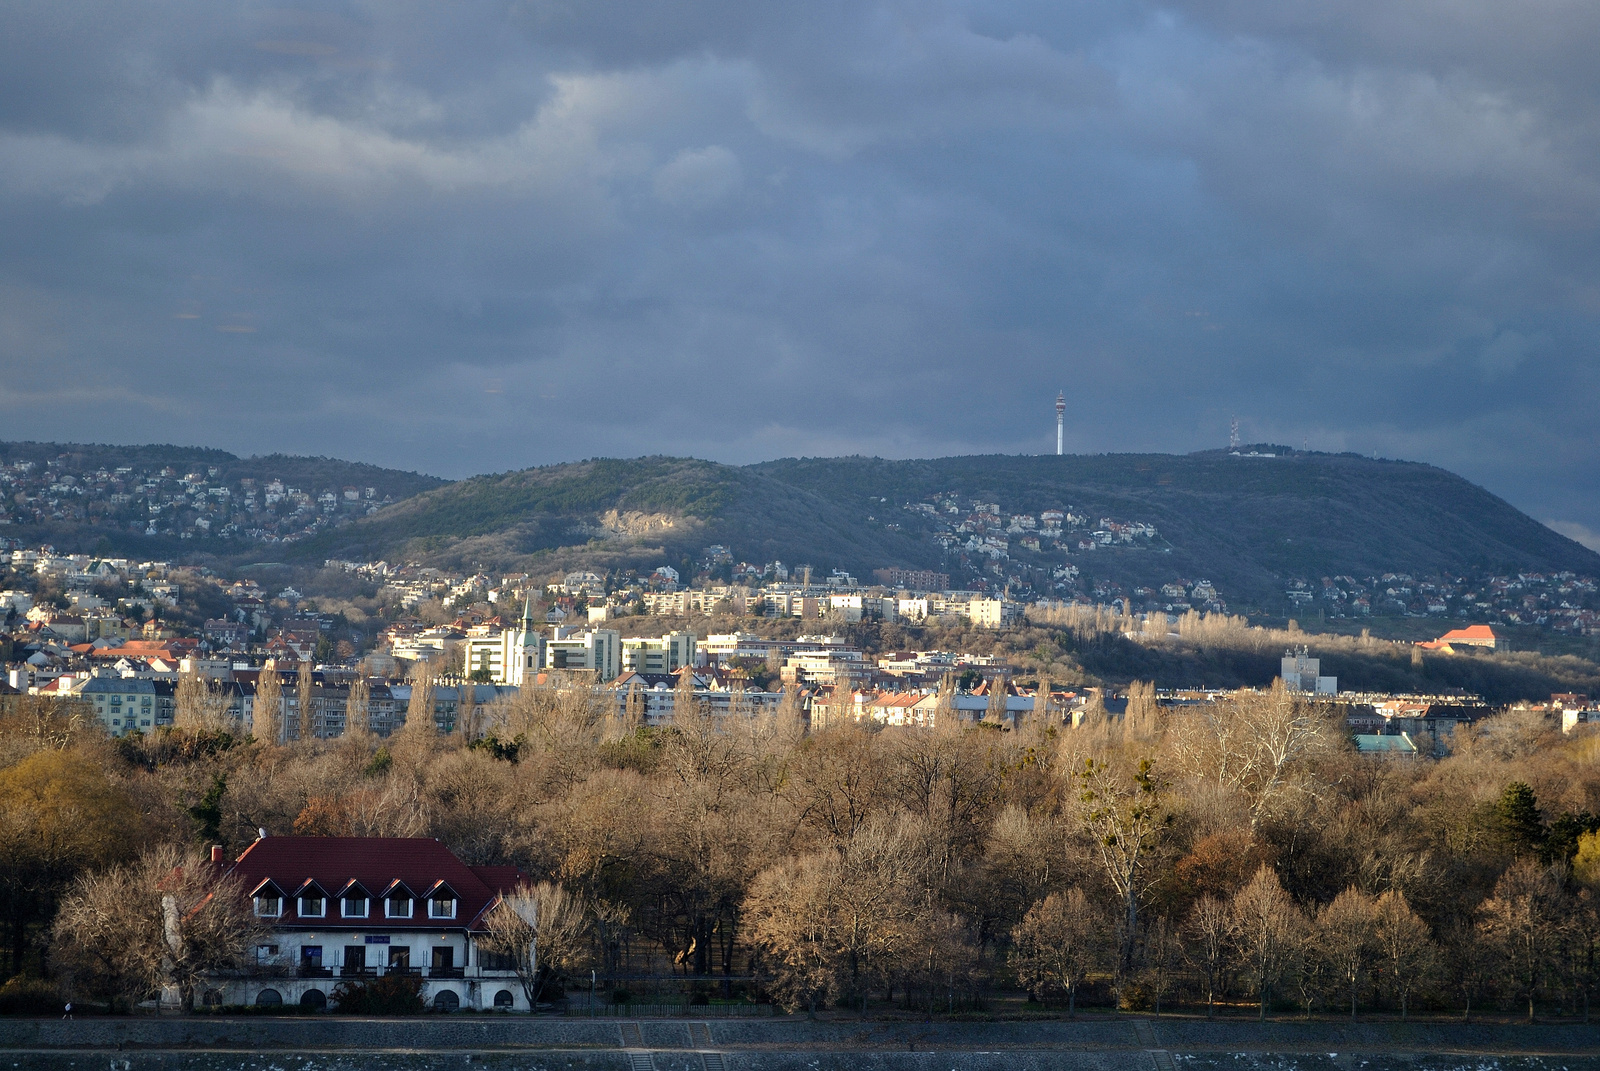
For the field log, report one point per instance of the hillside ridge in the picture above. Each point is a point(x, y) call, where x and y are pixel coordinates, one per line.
point(1246, 523)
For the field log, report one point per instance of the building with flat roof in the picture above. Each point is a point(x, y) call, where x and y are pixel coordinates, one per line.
point(664, 654)
point(598, 651)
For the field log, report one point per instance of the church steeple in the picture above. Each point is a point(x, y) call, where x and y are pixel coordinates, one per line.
point(527, 612)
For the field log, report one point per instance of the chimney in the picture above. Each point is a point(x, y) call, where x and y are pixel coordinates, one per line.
point(216, 853)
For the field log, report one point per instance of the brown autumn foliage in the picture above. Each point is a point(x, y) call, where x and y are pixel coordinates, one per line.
point(853, 865)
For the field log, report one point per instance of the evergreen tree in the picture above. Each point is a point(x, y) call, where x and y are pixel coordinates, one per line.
point(1517, 813)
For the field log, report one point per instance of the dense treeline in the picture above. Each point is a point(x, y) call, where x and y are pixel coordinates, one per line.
point(1222, 651)
point(1239, 851)
point(1094, 646)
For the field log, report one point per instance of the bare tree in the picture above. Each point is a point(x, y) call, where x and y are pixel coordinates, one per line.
point(944, 705)
point(420, 726)
point(633, 710)
point(358, 709)
point(1162, 957)
point(1346, 937)
point(1127, 822)
point(1142, 720)
point(684, 702)
point(200, 704)
point(832, 925)
point(1405, 945)
point(1207, 929)
point(467, 710)
point(104, 947)
point(1264, 925)
point(543, 930)
point(1523, 921)
point(999, 687)
point(1253, 742)
point(169, 920)
point(792, 925)
point(305, 701)
point(1055, 946)
point(267, 716)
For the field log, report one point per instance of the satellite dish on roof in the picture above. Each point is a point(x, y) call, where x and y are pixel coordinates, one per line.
point(261, 832)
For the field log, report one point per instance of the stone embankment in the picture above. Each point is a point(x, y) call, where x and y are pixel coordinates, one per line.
point(1167, 1044)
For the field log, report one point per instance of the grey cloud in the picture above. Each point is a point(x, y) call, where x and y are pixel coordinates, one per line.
point(468, 237)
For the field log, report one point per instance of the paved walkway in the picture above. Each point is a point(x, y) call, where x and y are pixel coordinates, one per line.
point(331, 1043)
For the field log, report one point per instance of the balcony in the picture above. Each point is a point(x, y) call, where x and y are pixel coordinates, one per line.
point(415, 972)
point(447, 972)
point(358, 972)
point(314, 972)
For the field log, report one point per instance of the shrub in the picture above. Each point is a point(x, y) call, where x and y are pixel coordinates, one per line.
point(30, 996)
point(392, 994)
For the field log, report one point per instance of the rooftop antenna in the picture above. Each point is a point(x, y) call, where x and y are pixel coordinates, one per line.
point(1233, 434)
point(1061, 416)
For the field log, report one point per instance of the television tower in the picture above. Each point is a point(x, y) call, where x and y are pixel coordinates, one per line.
point(1061, 416)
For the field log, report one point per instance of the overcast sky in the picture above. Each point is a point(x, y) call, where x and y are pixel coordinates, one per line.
point(473, 237)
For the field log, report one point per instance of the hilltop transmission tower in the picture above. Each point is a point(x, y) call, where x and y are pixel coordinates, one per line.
point(1061, 417)
point(1233, 434)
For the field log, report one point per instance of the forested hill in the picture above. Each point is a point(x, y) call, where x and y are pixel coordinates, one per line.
point(1248, 524)
point(303, 471)
point(164, 500)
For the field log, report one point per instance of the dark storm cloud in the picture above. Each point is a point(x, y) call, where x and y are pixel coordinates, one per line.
point(472, 237)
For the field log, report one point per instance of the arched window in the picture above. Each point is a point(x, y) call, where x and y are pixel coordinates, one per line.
point(269, 998)
point(446, 1001)
point(504, 999)
point(314, 998)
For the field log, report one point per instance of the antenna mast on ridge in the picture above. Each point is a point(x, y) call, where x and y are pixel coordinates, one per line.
point(1061, 416)
point(1233, 434)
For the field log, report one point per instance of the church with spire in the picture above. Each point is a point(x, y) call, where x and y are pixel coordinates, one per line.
point(511, 655)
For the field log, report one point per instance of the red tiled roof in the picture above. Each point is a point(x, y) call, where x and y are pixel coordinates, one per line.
point(1471, 632)
point(376, 862)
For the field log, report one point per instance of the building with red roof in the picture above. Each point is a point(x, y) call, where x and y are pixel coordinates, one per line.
point(1471, 636)
point(353, 908)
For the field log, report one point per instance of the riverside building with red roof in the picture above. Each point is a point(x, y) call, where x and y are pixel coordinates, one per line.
point(356, 908)
point(1471, 636)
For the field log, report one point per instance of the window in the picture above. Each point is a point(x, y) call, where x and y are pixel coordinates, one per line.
point(496, 961)
point(397, 907)
point(269, 905)
point(399, 957)
point(311, 906)
point(442, 906)
point(266, 954)
point(353, 907)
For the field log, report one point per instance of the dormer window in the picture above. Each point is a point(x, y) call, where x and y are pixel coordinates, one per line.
point(354, 903)
point(397, 906)
point(312, 905)
point(441, 901)
point(268, 899)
